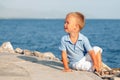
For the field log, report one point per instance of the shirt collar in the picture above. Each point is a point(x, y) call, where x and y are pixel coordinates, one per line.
point(79, 38)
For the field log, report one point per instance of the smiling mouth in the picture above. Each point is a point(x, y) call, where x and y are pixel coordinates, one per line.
point(65, 28)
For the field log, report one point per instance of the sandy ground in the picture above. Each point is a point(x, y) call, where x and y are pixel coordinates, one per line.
point(20, 67)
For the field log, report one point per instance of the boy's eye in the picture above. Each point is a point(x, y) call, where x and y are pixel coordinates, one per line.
point(66, 22)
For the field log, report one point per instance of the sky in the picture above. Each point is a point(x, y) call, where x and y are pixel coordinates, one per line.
point(92, 9)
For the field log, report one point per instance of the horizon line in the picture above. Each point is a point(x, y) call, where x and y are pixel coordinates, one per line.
point(64, 18)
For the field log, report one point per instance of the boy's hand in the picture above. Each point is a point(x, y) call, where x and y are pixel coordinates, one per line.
point(65, 62)
point(67, 70)
point(97, 68)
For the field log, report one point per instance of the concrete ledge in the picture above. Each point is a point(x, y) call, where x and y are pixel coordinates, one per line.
point(21, 67)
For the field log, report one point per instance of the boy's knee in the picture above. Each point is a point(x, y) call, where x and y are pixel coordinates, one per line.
point(88, 66)
point(97, 49)
point(84, 66)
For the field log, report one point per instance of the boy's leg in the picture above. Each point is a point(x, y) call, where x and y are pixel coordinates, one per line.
point(98, 56)
point(86, 62)
point(98, 52)
point(83, 65)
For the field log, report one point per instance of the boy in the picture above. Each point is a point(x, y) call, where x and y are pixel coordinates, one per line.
point(76, 47)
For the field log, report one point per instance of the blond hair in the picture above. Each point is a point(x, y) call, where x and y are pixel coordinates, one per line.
point(80, 17)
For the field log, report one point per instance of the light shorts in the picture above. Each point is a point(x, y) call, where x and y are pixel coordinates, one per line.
point(86, 62)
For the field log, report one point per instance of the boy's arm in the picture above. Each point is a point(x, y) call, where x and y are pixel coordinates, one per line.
point(65, 62)
point(95, 65)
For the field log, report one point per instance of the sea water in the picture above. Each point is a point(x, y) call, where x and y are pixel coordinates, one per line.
point(44, 35)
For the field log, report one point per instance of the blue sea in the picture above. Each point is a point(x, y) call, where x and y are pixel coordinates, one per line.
point(44, 35)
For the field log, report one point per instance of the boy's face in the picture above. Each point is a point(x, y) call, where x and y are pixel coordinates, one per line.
point(70, 24)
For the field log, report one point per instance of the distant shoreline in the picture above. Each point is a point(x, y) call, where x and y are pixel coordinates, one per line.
point(46, 19)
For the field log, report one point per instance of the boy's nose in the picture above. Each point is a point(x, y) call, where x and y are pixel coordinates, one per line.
point(65, 27)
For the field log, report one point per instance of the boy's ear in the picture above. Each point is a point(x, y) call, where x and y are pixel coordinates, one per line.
point(77, 26)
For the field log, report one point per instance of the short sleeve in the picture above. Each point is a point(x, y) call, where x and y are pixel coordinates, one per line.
point(87, 44)
point(62, 45)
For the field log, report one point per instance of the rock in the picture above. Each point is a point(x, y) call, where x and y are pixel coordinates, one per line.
point(114, 74)
point(105, 67)
point(19, 50)
point(7, 48)
point(28, 53)
point(49, 55)
point(38, 54)
point(56, 59)
point(116, 78)
point(21, 67)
